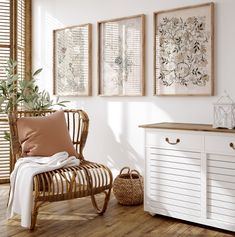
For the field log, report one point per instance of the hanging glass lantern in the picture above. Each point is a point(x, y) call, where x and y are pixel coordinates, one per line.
point(224, 112)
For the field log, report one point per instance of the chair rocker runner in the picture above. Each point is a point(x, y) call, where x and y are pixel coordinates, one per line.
point(87, 179)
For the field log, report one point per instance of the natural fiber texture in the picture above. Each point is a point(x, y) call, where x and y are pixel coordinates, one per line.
point(128, 187)
point(87, 179)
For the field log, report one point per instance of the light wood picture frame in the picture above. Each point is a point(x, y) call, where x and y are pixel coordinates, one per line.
point(121, 56)
point(72, 62)
point(184, 51)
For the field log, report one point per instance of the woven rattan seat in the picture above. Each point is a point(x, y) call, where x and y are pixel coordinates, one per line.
point(87, 179)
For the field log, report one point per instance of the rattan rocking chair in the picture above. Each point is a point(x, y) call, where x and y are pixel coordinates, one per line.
point(87, 179)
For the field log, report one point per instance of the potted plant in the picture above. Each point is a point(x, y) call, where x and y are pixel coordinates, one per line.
point(15, 92)
point(25, 93)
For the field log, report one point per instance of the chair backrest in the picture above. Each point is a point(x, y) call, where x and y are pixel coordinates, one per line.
point(77, 123)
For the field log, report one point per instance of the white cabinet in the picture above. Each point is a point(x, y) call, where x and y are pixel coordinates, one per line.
point(190, 173)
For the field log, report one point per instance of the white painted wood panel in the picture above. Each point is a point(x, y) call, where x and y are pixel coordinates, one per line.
point(182, 210)
point(221, 197)
point(224, 171)
point(186, 141)
point(222, 211)
point(222, 218)
point(175, 165)
point(223, 191)
point(177, 196)
point(219, 144)
point(175, 202)
point(224, 158)
point(174, 159)
point(175, 153)
point(221, 184)
point(224, 204)
point(222, 164)
point(175, 183)
point(165, 170)
point(221, 177)
point(159, 188)
point(179, 178)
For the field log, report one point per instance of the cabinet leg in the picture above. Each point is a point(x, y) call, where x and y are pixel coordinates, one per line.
point(152, 213)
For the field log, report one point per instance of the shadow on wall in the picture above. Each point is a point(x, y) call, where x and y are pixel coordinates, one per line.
point(119, 154)
point(115, 136)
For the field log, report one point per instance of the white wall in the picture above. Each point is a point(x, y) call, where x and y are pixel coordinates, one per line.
point(114, 137)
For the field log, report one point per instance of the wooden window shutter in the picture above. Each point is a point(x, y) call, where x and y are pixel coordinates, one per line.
point(5, 53)
point(15, 43)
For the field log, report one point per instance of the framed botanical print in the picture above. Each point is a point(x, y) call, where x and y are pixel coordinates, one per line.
point(184, 51)
point(72, 61)
point(121, 56)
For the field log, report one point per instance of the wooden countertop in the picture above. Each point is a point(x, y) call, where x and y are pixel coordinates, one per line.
point(187, 126)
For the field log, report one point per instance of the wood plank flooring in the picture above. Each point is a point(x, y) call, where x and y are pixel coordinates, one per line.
point(77, 218)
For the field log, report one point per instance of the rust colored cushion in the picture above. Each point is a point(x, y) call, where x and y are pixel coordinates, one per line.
point(45, 136)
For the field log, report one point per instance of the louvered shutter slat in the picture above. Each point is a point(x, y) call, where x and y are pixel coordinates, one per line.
point(4, 56)
point(6, 32)
point(4, 151)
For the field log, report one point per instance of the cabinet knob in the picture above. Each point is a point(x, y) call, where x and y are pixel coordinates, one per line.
point(232, 145)
point(172, 143)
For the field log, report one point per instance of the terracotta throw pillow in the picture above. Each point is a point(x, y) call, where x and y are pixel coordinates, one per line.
point(45, 136)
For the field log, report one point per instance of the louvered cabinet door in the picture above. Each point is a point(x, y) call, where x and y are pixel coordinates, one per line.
point(221, 179)
point(174, 183)
point(173, 174)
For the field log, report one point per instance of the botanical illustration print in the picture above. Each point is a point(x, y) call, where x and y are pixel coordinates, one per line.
point(72, 61)
point(120, 57)
point(183, 51)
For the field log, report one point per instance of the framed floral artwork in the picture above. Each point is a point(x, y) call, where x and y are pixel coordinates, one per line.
point(121, 56)
point(72, 61)
point(183, 51)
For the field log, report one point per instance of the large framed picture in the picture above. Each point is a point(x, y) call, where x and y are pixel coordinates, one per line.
point(121, 44)
point(72, 61)
point(184, 51)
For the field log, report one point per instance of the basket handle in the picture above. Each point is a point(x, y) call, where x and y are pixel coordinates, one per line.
point(131, 177)
point(134, 171)
point(124, 169)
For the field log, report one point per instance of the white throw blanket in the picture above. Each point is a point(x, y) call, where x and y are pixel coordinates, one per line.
point(21, 194)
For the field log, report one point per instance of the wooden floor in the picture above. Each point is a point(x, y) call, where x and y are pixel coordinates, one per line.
point(77, 218)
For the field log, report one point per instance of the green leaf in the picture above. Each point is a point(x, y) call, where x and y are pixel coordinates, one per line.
point(37, 72)
point(60, 104)
point(7, 136)
point(2, 99)
point(64, 101)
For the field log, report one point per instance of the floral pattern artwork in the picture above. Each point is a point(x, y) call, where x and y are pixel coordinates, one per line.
point(71, 61)
point(183, 52)
point(120, 57)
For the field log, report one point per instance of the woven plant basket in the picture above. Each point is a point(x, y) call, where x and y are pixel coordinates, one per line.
point(128, 187)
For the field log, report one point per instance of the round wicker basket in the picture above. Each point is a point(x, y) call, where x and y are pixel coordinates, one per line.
point(128, 187)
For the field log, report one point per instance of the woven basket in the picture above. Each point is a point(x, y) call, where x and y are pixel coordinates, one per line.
point(128, 187)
